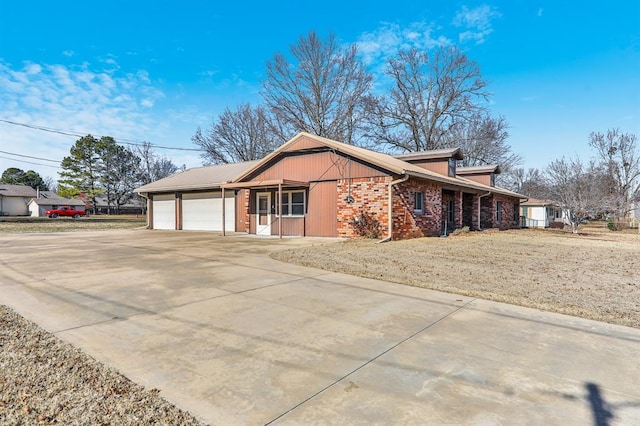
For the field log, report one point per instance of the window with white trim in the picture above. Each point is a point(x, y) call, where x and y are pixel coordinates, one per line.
point(418, 202)
point(293, 203)
point(499, 211)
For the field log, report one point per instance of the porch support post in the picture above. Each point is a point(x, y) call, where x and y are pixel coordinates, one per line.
point(280, 210)
point(223, 214)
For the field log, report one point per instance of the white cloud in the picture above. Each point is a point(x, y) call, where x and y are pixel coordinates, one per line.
point(377, 46)
point(68, 53)
point(476, 23)
point(72, 98)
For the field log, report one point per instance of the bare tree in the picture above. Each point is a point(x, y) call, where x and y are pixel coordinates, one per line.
point(483, 140)
point(577, 188)
point(241, 135)
point(619, 156)
point(322, 92)
point(153, 166)
point(530, 182)
point(432, 95)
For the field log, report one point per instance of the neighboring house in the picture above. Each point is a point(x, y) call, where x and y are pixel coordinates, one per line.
point(136, 205)
point(47, 200)
point(14, 199)
point(313, 186)
point(536, 213)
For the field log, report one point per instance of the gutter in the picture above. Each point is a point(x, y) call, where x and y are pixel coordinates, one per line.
point(390, 219)
point(480, 207)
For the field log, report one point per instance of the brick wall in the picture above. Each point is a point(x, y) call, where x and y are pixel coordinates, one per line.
point(508, 206)
point(489, 216)
point(410, 224)
point(369, 195)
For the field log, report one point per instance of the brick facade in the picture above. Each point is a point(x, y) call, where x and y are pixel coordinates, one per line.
point(407, 223)
point(369, 195)
point(489, 213)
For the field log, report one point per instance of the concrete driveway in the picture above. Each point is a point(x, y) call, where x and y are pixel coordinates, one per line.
point(235, 337)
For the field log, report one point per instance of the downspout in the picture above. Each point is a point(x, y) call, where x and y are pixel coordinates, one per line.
point(390, 218)
point(480, 207)
point(224, 233)
point(280, 210)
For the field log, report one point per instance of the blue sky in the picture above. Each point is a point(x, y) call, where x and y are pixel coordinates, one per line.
point(155, 71)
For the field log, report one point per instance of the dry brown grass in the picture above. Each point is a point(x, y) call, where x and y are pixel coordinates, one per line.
point(67, 224)
point(595, 274)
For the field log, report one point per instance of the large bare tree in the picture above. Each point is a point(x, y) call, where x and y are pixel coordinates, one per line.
point(432, 95)
point(243, 134)
point(530, 182)
point(154, 166)
point(483, 140)
point(322, 90)
point(578, 189)
point(619, 156)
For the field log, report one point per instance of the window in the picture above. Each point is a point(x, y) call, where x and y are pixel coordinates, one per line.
point(418, 202)
point(515, 212)
point(499, 211)
point(525, 211)
point(452, 167)
point(293, 203)
point(493, 179)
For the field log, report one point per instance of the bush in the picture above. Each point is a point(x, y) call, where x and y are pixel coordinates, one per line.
point(612, 226)
point(366, 225)
point(557, 224)
point(463, 230)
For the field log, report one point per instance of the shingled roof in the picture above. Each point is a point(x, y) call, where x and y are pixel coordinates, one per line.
point(7, 190)
point(208, 177)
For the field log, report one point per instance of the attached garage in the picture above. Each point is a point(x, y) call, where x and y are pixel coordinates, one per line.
point(202, 211)
point(192, 200)
point(164, 211)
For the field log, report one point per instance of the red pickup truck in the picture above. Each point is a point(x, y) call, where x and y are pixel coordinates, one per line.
point(65, 211)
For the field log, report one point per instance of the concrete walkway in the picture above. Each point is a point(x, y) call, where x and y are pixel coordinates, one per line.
point(235, 337)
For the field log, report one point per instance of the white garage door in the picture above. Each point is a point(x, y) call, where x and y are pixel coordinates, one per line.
point(202, 211)
point(164, 211)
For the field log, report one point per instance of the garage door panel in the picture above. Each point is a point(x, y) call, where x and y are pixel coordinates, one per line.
point(205, 213)
point(164, 212)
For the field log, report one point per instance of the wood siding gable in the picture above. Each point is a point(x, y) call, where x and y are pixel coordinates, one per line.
point(315, 166)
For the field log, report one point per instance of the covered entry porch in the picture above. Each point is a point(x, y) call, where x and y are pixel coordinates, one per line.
point(273, 207)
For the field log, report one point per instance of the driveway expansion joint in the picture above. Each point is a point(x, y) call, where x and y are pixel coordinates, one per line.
point(360, 367)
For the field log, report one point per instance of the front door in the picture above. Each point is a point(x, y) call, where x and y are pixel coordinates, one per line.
point(263, 222)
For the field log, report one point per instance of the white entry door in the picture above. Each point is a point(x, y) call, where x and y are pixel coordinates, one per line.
point(263, 222)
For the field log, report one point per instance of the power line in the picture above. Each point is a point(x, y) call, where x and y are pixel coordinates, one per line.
point(79, 135)
point(28, 156)
point(30, 162)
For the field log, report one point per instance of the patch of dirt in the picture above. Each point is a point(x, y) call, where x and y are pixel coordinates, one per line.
point(45, 381)
point(595, 275)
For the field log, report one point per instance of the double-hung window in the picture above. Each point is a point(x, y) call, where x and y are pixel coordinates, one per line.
point(293, 203)
point(418, 202)
point(499, 211)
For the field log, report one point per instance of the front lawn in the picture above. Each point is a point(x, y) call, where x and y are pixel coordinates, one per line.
point(593, 275)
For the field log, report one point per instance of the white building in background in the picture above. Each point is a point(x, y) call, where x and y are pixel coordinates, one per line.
point(536, 213)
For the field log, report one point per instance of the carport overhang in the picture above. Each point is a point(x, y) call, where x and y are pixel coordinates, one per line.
point(264, 184)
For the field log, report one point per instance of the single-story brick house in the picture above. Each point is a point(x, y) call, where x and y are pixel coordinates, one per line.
point(47, 200)
point(14, 199)
point(322, 186)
